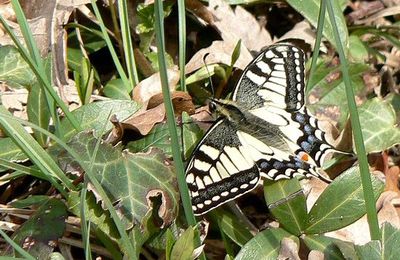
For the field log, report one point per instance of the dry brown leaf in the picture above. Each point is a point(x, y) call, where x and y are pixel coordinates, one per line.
point(152, 86)
point(392, 179)
point(303, 31)
point(393, 10)
point(239, 25)
point(153, 112)
point(181, 101)
point(200, 10)
point(218, 52)
point(143, 122)
point(316, 255)
point(288, 250)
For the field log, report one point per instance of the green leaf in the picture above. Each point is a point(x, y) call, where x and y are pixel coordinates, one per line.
point(371, 250)
point(92, 40)
point(93, 212)
point(13, 68)
point(324, 244)
point(184, 246)
point(146, 19)
point(310, 10)
point(286, 204)
point(38, 111)
point(131, 181)
point(341, 204)
point(379, 126)
point(84, 80)
point(51, 214)
point(10, 152)
point(265, 245)
point(358, 51)
point(390, 242)
point(31, 200)
point(116, 89)
point(231, 226)
point(94, 115)
point(169, 243)
point(347, 249)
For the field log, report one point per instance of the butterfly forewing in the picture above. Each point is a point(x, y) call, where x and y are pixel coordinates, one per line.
point(274, 78)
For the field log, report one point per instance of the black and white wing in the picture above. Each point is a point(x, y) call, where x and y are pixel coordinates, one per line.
point(218, 171)
point(227, 163)
point(272, 88)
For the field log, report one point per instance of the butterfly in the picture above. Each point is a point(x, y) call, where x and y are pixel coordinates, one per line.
point(264, 131)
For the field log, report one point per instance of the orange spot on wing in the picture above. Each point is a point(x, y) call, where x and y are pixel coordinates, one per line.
point(305, 157)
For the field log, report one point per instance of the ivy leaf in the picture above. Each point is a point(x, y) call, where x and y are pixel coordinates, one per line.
point(133, 182)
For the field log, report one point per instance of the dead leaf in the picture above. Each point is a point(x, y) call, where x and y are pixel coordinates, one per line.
point(389, 11)
point(152, 85)
point(239, 25)
point(316, 255)
point(181, 101)
point(288, 250)
point(392, 179)
point(364, 9)
point(218, 52)
point(303, 31)
point(200, 10)
point(143, 122)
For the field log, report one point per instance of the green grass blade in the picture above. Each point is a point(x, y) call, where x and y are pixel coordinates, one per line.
point(321, 22)
point(358, 138)
point(159, 28)
point(187, 205)
point(127, 42)
point(33, 150)
point(182, 43)
point(110, 46)
point(16, 247)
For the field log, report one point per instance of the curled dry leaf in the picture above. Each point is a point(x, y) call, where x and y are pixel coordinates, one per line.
point(235, 26)
point(218, 52)
point(182, 102)
point(165, 204)
point(145, 120)
point(152, 85)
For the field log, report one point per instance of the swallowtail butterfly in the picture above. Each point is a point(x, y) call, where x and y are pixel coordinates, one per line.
point(264, 131)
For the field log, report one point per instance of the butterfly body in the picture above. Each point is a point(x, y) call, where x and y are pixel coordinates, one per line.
point(265, 130)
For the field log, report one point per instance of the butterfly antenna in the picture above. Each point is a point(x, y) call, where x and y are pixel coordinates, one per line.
point(209, 74)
